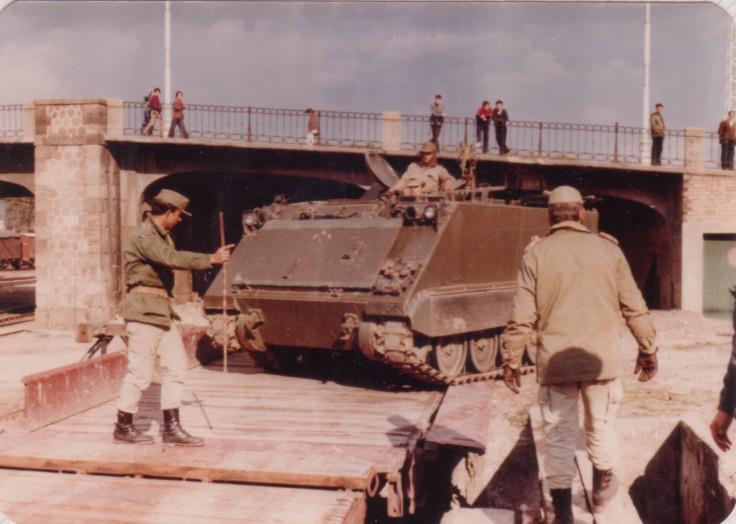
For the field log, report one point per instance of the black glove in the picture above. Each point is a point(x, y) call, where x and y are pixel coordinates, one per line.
point(512, 378)
point(646, 365)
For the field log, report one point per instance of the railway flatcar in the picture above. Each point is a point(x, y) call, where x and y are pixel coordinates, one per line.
point(17, 250)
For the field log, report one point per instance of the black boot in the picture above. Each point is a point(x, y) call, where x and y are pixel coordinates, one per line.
point(562, 502)
point(605, 487)
point(175, 434)
point(126, 432)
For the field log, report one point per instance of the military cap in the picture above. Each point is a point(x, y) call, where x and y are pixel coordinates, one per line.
point(413, 182)
point(565, 195)
point(428, 147)
point(172, 198)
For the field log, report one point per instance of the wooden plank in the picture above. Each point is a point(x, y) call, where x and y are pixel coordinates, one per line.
point(60, 392)
point(463, 418)
point(236, 460)
point(41, 497)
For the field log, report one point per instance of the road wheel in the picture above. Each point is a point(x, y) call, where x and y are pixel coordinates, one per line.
point(484, 352)
point(450, 355)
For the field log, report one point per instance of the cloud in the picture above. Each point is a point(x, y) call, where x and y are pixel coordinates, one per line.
point(562, 62)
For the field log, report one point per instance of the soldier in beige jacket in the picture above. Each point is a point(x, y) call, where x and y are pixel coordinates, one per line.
point(575, 289)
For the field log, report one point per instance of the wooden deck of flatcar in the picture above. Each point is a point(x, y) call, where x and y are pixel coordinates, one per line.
point(263, 432)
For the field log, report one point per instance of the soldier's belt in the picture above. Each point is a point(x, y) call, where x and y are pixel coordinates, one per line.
point(149, 290)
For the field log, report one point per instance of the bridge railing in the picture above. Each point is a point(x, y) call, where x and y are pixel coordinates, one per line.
point(557, 140)
point(268, 125)
point(11, 121)
point(554, 140)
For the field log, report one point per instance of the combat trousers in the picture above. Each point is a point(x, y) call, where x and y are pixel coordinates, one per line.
point(559, 403)
point(146, 342)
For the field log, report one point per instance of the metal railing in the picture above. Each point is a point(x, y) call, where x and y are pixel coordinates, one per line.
point(553, 140)
point(11, 121)
point(268, 125)
point(556, 140)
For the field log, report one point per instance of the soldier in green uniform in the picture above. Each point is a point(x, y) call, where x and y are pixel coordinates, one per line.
point(430, 176)
point(575, 289)
point(149, 257)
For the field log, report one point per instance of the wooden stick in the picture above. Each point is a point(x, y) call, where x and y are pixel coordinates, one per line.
point(224, 297)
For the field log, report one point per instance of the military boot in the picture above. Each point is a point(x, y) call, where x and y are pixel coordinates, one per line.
point(126, 432)
point(173, 432)
point(562, 502)
point(605, 487)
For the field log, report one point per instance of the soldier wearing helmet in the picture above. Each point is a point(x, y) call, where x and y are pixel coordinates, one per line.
point(575, 289)
point(425, 176)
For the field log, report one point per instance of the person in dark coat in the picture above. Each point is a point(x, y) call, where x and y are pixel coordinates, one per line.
point(500, 122)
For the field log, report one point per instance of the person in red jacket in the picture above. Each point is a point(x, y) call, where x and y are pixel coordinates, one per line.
point(154, 104)
point(482, 123)
point(177, 119)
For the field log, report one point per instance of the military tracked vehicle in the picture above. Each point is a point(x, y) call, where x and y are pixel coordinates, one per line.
point(424, 283)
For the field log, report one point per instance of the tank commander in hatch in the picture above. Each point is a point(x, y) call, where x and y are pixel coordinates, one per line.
point(149, 256)
point(575, 288)
point(431, 176)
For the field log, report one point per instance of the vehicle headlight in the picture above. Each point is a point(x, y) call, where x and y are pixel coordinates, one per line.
point(430, 213)
point(250, 220)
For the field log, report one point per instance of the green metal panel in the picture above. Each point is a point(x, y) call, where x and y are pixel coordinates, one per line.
point(719, 272)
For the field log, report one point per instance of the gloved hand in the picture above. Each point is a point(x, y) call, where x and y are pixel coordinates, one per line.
point(512, 378)
point(646, 365)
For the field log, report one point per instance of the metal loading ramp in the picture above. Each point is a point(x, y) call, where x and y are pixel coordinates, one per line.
point(278, 449)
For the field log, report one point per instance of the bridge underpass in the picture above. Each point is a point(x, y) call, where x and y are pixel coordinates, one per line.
point(89, 182)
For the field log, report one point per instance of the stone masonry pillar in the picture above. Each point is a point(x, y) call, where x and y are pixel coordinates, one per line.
point(78, 259)
point(694, 149)
point(391, 130)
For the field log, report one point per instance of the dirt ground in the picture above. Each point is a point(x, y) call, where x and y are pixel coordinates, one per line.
point(693, 355)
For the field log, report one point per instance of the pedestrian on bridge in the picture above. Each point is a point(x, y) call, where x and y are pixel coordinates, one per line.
point(574, 288)
point(154, 106)
point(312, 127)
point(149, 257)
point(500, 122)
point(146, 110)
point(177, 118)
point(436, 118)
point(727, 139)
point(482, 124)
point(657, 128)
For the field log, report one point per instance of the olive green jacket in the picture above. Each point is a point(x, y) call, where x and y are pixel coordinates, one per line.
point(149, 257)
point(576, 290)
point(432, 179)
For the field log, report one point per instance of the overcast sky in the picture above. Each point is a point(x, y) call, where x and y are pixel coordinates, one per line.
point(558, 62)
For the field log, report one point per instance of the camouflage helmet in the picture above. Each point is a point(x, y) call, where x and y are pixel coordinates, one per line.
point(564, 195)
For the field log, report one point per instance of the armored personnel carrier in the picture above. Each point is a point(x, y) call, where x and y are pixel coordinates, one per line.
point(421, 283)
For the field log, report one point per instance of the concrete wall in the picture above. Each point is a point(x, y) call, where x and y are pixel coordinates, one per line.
point(708, 207)
point(78, 257)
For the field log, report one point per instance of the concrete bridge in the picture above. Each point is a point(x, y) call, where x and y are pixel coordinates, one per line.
point(88, 168)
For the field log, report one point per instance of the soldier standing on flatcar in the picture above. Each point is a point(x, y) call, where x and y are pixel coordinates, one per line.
point(149, 257)
point(573, 288)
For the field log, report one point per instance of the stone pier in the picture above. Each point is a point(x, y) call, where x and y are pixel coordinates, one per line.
point(78, 255)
